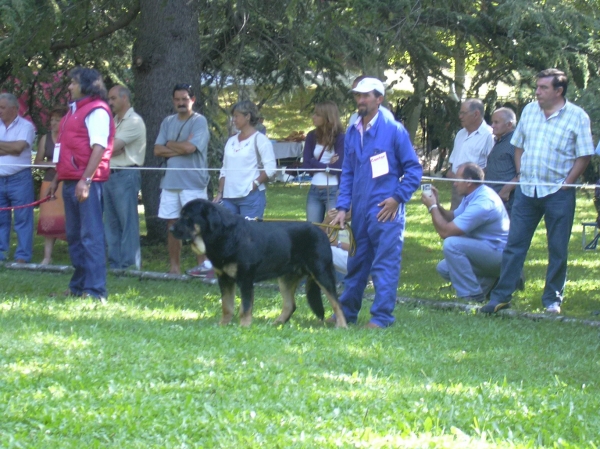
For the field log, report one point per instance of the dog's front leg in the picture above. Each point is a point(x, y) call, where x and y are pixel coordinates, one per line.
point(227, 286)
point(247, 292)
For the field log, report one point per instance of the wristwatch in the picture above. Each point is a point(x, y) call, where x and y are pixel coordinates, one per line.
point(88, 181)
point(256, 183)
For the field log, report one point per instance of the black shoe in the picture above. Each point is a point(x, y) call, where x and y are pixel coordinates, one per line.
point(493, 307)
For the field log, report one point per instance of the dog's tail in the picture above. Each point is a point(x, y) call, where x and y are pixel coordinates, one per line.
point(313, 295)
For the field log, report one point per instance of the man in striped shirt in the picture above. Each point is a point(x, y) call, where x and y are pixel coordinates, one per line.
point(553, 146)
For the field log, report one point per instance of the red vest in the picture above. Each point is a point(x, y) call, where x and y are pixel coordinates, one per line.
point(74, 139)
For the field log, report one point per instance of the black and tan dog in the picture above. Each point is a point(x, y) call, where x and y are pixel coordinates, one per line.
point(244, 252)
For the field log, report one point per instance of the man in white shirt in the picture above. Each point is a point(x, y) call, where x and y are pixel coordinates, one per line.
point(473, 143)
point(16, 183)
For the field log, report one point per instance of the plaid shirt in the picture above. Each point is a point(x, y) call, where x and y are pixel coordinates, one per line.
point(550, 146)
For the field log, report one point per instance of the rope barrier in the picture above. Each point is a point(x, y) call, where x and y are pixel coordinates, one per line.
point(432, 179)
point(24, 206)
point(585, 186)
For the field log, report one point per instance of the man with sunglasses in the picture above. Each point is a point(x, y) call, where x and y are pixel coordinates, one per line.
point(183, 142)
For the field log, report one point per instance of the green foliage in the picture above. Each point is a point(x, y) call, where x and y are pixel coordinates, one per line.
point(268, 49)
point(40, 40)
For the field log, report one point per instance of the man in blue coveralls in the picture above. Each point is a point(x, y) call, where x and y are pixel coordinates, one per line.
point(380, 173)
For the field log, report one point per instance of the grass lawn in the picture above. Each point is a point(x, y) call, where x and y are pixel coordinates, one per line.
point(153, 368)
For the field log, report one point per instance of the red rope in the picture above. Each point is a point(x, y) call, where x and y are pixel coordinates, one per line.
point(35, 203)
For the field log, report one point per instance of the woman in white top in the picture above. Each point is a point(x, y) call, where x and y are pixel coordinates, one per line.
point(248, 163)
point(323, 151)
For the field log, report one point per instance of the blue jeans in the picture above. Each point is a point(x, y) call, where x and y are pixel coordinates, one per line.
point(85, 236)
point(121, 220)
point(17, 190)
point(471, 265)
point(251, 206)
point(558, 210)
point(319, 201)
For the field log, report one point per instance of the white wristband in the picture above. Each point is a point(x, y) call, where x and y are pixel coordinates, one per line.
point(433, 206)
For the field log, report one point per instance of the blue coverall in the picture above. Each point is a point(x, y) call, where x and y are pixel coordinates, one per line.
point(378, 244)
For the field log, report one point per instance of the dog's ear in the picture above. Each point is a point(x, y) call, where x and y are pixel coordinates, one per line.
point(211, 217)
point(218, 218)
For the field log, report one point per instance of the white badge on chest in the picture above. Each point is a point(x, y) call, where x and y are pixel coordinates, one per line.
point(56, 153)
point(379, 165)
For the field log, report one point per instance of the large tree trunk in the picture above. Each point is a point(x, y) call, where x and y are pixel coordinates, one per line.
point(460, 63)
point(415, 106)
point(166, 51)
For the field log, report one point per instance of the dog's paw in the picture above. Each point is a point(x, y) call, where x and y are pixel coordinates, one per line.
point(340, 322)
point(225, 321)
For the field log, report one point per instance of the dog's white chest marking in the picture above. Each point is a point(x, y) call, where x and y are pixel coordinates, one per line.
point(198, 246)
point(230, 270)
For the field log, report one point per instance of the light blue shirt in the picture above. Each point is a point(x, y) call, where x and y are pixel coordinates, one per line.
point(550, 146)
point(481, 215)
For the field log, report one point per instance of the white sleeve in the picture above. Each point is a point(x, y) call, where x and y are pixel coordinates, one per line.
point(98, 125)
point(267, 156)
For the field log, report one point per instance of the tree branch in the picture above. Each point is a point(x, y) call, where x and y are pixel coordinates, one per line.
point(123, 21)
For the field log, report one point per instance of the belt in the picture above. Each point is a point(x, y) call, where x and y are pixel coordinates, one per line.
point(115, 170)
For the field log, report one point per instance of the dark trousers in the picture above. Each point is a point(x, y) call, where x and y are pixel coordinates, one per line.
point(85, 236)
point(558, 210)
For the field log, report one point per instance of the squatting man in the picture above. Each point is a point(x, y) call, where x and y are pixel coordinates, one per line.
point(474, 234)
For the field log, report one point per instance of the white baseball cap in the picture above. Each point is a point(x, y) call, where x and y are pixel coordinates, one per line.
point(367, 85)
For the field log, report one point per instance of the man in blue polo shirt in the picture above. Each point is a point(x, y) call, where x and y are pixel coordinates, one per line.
point(474, 234)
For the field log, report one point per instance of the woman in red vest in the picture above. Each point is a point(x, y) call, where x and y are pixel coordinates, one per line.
point(85, 144)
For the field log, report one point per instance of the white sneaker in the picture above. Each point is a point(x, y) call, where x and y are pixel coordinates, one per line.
point(201, 270)
point(553, 308)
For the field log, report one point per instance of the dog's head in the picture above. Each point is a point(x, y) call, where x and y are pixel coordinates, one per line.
point(197, 219)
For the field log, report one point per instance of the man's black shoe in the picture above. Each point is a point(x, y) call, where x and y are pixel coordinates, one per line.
point(493, 307)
